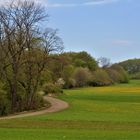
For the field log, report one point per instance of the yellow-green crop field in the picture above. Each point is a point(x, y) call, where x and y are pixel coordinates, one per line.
point(95, 113)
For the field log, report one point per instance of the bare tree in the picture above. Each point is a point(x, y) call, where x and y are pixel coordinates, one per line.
point(51, 41)
point(24, 48)
point(37, 58)
point(104, 62)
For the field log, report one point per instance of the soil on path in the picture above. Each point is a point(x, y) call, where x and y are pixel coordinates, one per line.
point(56, 105)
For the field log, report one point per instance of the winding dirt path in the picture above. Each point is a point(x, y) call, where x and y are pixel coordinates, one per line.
point(56, 105)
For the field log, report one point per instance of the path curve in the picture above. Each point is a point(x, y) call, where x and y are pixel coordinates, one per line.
point(56, 105)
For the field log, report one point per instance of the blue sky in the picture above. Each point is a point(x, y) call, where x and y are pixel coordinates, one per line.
point(108, 28)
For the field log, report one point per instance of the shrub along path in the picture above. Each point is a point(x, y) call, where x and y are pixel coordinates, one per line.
point(56, 105)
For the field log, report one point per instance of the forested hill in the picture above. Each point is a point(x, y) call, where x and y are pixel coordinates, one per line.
point(132, 66)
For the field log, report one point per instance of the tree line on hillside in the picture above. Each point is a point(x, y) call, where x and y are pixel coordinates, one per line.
point(79, 69)
point(132, 66)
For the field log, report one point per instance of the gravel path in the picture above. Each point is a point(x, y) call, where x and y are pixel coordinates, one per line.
point(56, 105)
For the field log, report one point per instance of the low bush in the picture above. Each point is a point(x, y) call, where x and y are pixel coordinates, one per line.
point(37, 102)
point(122, 74)
point(60, 82)
point(100, 78)
point(82, 76)
point(52, 88)
point(70, 83)
point(114, 75)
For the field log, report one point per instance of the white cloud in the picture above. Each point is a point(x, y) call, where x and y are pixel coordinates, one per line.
point(59, 5)
point(121, 42)
point(100, 2)
point(89, 3)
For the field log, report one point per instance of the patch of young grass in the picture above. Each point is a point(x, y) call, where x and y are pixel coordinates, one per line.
point(95, 113)
point(65, 134)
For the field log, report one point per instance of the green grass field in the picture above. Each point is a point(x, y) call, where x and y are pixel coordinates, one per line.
point(101, 113)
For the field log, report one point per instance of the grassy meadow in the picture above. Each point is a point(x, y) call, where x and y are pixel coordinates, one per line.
point(95, 113)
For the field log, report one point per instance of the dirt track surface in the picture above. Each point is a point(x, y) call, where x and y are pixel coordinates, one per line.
point(56, 105)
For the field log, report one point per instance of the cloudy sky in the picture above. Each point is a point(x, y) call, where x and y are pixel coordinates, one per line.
point(109, 28)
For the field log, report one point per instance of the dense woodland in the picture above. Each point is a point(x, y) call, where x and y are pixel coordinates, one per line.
point(32, 60)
